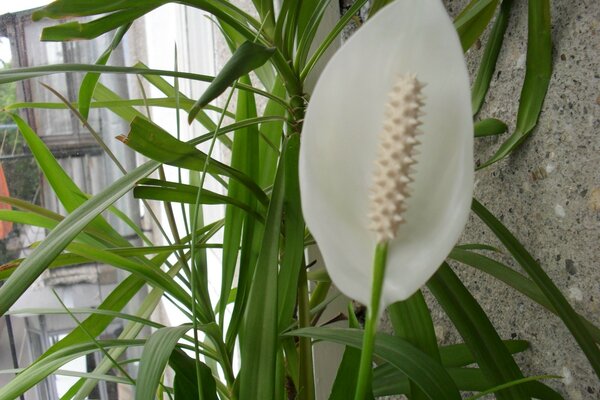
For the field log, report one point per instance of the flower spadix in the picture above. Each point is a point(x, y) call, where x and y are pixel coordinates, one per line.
point(387, 150)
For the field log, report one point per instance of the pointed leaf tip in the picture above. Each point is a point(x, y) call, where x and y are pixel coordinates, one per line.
point(245, 59)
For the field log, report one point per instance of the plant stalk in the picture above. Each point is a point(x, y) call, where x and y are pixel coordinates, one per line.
point(365, 370)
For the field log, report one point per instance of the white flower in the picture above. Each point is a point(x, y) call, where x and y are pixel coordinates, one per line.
point(340, 141)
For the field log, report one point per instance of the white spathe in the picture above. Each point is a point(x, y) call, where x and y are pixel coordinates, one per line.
point(340, 140)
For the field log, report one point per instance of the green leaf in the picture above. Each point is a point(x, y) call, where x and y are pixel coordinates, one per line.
point(459, 355)
point(88, 84)
point(564, 310)
point(477, 331)
point(490, 56)
point(70, 8)
point(266, 12)
point(96, 324)
point(271, 134)
point(259, 344)
point(62, 372)
point(152, 141)
point(299, 26)
point(428, 374)
point(243, 158)
point(154, 276)
point(83, 310)
point(82, 388)
point(308, 35)
point(348, 369)
point(169, 90)
point(477, 246)
point(64, 233)
point(27, 218)
point(473, 20)
point(74, 259)
point(19, 74)
point(512, 384)
point(389, 382)
point(489, 127)
point(39, 216)
point(185, 385)
point(42, 368)
point(287, 25)
point(74, 30)
point(293, 247)
point(155, 189)
point(537, 77)
point(411, 320)
point(156, 354)
point(110, 98)
point(515, 280)
point(70, 196)
point(337, 29)
point(246, 58)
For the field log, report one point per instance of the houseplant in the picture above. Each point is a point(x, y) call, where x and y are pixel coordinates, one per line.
point(264, 227)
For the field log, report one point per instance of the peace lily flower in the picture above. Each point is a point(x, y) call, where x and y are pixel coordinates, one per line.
point(387, 151)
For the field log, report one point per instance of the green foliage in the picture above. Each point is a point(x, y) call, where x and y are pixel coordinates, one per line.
point(22, 174)
point(273, 316)
point(8, 95)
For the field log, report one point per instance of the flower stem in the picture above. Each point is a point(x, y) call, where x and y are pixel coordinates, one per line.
point(366, 359)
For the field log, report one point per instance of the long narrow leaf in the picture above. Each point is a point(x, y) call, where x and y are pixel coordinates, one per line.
point(152, 141)
point(19, 74)
point(33, 374)
point(243, 158)
point(155, 357)
point(309, 33)
point(155, 189)
point(411, 320)
point(537, 77)
point(337, 29)
point(259, 344)
point(515, 280)
point(246, 58)
point(293, 248)
point(75, 30)
point(467, 379)
point(66, 190)
point(64, 233)
point(471, 23)
point(88, 84)
point(564, 310)
point(429, 375)
point(490, 56)
point(477, 331)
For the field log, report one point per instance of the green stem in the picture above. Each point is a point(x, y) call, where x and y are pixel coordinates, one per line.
point(306, 378)
point(366, 359)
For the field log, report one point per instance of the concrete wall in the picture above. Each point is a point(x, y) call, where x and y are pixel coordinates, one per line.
point(547, 193)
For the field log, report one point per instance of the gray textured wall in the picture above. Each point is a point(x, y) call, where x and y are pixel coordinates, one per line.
point(547, 193)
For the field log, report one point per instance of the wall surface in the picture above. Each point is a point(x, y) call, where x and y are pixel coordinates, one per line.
point(547, 193)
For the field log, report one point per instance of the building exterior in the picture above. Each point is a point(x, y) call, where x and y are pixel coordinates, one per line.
point(23, 338)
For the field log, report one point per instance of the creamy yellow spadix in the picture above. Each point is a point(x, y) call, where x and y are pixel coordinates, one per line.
point(341, 142)
point(396, 157)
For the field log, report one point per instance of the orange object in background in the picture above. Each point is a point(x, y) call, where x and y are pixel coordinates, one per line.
point(5, 226)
